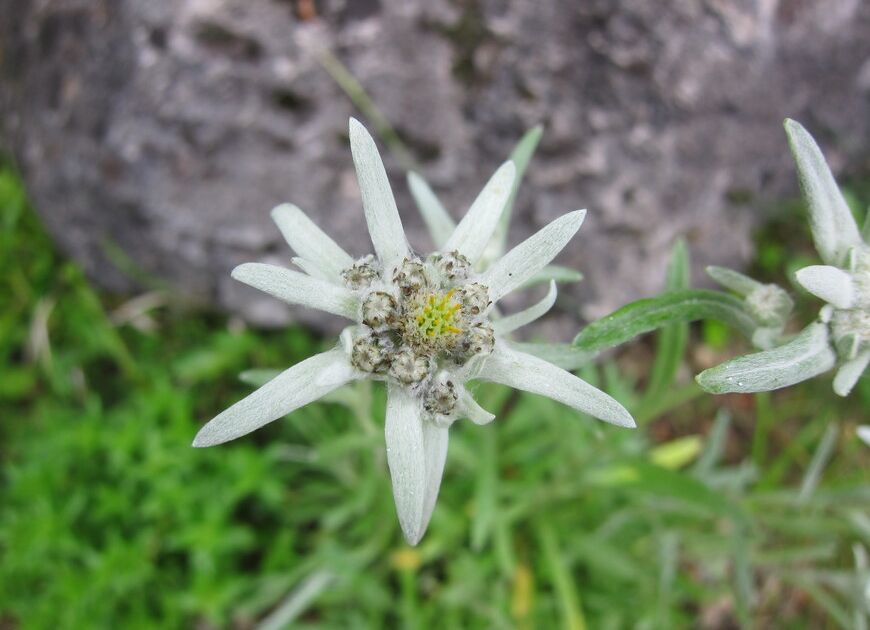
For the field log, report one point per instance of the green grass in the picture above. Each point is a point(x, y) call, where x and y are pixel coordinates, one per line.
point(735, 511)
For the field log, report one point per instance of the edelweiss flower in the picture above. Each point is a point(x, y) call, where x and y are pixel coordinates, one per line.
point(422, 325)
point(844, 280)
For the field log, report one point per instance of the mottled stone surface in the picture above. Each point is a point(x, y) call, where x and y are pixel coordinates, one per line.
point(167, 129)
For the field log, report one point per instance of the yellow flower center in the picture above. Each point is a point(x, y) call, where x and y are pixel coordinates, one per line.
point(439, 316)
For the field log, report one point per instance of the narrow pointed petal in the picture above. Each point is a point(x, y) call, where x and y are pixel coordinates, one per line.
point(512, 322)
point(863, 432)
point(286, 392)
point(382, 216)
point(529, 257)
point(831, 221)
point(310, 242)
point(473, 411)
point(406, 458)
point(531, 374)
point(435, 453)
point(297, 288)
point(476, 228)
point(439, 222)
point(828, 283)
point(850, 372)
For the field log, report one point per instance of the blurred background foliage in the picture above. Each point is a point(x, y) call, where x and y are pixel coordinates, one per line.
point(723, 512)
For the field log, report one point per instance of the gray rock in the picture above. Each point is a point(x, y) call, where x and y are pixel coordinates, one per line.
point(158, 135)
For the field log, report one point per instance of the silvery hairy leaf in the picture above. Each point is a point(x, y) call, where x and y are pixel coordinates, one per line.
point(831, 221)
point(806, 355)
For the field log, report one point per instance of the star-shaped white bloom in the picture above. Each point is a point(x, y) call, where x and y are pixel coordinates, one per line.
point(422, 325)
point(844, 280)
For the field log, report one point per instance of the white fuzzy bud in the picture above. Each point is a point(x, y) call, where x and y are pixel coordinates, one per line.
point(410, 276)
point(378, 308)
point(361, 274)
point(478, 340)
point(440, 400)
point(769, 305)
point(451, 266)
point(475, 298)
point(408, 367)
point(366, 355)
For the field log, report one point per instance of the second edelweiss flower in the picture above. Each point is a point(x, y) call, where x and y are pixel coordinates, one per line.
point(422, 325)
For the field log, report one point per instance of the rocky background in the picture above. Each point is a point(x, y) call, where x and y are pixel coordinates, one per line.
point(156, 136)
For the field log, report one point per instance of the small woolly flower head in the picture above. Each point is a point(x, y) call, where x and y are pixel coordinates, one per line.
point(418, 321)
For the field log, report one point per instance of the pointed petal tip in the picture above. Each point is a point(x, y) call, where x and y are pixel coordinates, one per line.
point(629, 422)
point(413, 538)
point(574, 220)
point(358, 133)
point(356, 128)
point(620, 418)
point(202, 439)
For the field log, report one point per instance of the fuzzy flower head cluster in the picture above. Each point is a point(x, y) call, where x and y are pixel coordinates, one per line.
point(844, 280)
point(419, 326)
point(424, 325)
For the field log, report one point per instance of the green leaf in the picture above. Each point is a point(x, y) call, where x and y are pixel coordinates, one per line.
point(564, 586)
point(18, 382)
point(805, 356)
point(651, 479)
point(817, 465)
point(734, 280)
point(679, 271)
point(715, 446)
point(486, 502)
point(677, 453)
point(520, 156)
point(639, 317)
point(671, 342)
